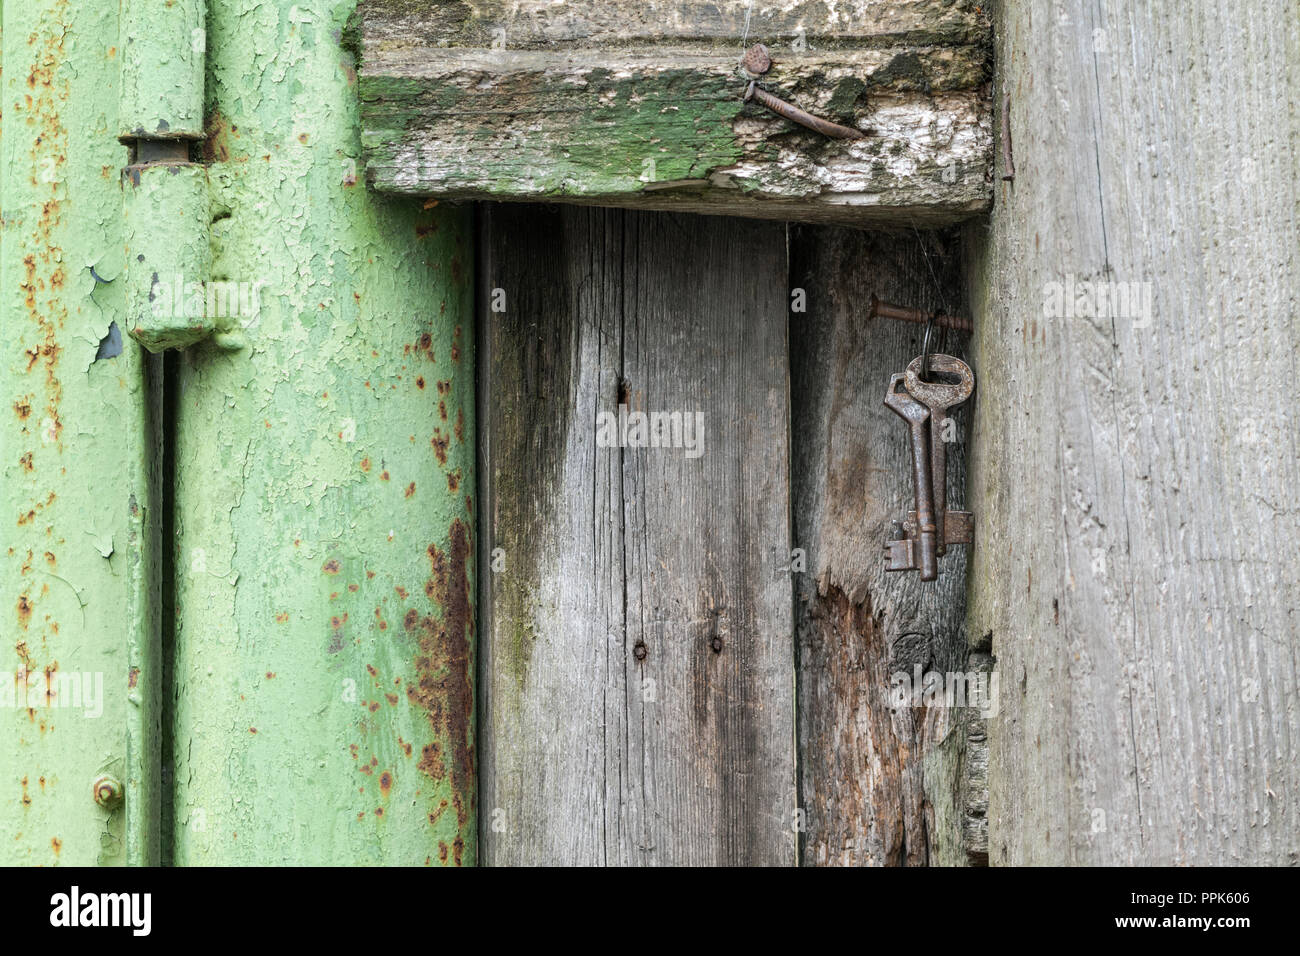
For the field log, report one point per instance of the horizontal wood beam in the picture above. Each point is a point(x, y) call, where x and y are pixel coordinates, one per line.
point(622, 103)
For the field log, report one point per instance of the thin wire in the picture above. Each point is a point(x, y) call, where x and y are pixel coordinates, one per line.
point(943, 303)
point(745, 36)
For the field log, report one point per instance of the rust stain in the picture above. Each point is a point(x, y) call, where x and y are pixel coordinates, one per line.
point(410, 489)
point(56, 844)
point(440, 443)
point(460, 425)
point(444, 686)
point(385, 783)
point(24, 611)
point(331, 566)
point(216, 146)
point(453, 481)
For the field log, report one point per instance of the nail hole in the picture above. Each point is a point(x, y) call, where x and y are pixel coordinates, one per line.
point(639, 651)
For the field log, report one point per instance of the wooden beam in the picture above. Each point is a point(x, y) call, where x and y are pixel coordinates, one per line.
point(619, 104)
point(1134, 476)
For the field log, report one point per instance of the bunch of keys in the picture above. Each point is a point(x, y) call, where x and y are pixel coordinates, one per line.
point(924, 406)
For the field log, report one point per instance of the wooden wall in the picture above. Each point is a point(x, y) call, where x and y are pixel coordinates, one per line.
point(658, 685)
point(1135, 473)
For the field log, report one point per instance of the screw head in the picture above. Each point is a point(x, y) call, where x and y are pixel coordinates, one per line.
point(757, 60)
point(108, 792)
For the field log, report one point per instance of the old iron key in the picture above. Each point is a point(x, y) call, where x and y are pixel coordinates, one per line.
point(939, 397)
point(901, 553)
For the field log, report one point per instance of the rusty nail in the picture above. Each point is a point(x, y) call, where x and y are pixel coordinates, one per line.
point(108, 792)
point(716, 644)
point(796, 115)
point(886, 310)
point(757, 60)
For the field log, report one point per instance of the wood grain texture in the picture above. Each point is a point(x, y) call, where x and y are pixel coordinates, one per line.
point(637, 668)
point(1135, 474)
point(880, 785)
point(620, 104)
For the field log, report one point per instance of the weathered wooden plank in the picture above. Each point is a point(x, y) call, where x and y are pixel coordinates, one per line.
point(616, 103)
point(880, 784)
point(1134, 479)
point(637, 669)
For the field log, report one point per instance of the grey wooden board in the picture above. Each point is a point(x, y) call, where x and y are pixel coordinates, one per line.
point(879, 785)
point(608, 550)
point(1134, 483)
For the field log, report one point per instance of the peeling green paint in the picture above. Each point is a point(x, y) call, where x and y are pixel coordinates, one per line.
point(324, 641)
point(165, 213)
point(77, 488)
point(322, 702)
point(162, 45)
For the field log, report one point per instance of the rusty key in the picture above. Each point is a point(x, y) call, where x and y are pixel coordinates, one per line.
point(901, 554)
point(939, 396)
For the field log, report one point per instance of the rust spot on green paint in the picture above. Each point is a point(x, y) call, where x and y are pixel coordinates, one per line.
point(24, 611)
point(444, 688)
point(331, 566)
point(385, 783)
point(440, 443)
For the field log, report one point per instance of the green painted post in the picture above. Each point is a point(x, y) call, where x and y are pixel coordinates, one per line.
point(79, 674)
point(324, 646)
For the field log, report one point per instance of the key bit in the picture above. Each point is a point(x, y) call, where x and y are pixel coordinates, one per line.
point(921, 551)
